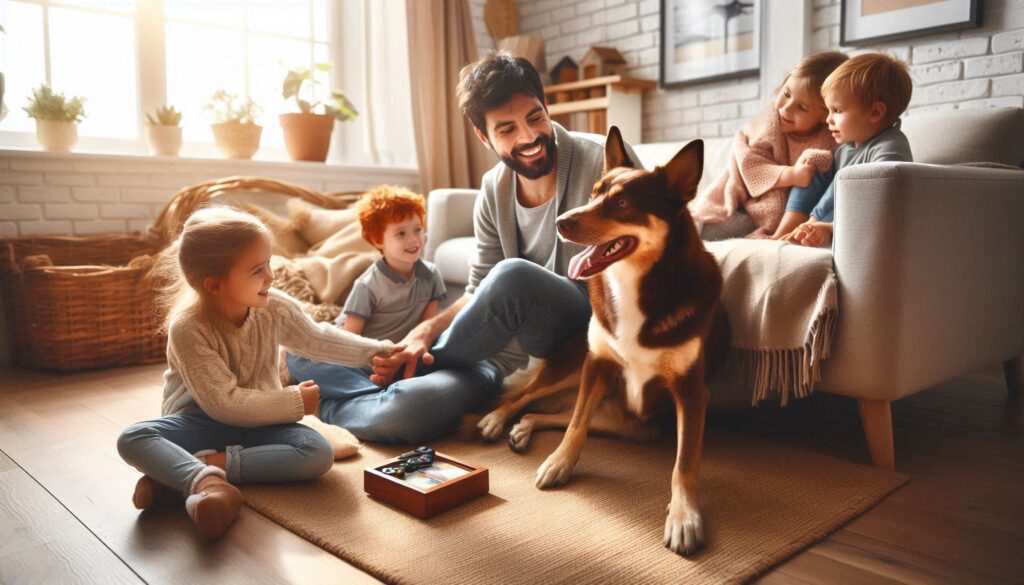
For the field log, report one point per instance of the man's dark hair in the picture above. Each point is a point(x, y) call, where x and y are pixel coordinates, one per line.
point(491, 81)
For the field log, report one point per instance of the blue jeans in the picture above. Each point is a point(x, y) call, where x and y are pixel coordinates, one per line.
point(518, 299)
point(816, 199)
point(162, 448)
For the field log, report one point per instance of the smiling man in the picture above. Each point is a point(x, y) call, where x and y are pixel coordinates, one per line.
point(518, 301)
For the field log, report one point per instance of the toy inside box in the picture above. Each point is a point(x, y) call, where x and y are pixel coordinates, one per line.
point(425, 490)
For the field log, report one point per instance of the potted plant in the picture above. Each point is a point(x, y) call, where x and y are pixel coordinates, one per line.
point(235, 128)
point(164, 131)
point(307, 133)
point(56, 118)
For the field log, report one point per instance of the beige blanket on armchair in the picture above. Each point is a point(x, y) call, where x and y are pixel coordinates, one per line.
point(782, 301)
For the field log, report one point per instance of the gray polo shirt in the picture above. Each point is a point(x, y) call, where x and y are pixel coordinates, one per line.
point(391, 304)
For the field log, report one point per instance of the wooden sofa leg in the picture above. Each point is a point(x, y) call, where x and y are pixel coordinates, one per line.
point(876, 417)
point(1014, 376)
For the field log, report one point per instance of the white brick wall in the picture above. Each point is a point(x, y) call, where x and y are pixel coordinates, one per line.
point(46, 193)
point(973, 68)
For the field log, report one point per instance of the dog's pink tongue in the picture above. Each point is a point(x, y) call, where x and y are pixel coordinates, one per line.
point(578, 264)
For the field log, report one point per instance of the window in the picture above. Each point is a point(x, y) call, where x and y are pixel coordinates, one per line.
point(127, 57)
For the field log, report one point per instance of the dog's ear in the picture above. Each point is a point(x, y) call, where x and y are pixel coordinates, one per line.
point(615, 154)
point(683, 172)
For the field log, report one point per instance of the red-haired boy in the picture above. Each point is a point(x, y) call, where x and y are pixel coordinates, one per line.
point(400, 290)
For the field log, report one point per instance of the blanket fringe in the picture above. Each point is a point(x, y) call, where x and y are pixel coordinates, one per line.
point(793, 371)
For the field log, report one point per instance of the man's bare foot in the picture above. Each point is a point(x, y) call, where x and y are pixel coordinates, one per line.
point(150, 493)
point(214, 506)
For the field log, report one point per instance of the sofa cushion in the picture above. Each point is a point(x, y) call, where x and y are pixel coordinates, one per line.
point(716, 155)
point(452, 258)
point(971, 135)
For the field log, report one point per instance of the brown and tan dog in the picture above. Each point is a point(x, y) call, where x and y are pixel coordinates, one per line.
point(657, 327)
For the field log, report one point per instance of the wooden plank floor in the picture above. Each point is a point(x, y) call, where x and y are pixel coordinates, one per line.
point(65, 511)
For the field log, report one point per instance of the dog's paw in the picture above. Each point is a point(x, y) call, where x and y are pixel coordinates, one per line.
point(519, 436)
point(492, 425)
point(684, 530)
point(555, 470)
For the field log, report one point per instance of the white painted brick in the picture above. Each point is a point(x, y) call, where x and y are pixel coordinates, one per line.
point(1015, 101)
point(647, 72)
point(560, 45)
point(70, 178)
point(560, 14)
point(902, 53)
point(1008, 41)
point(95, 194)
point(122, 180)
point(177, 182)
point(575, 25)
point(826, 16)
point(549, 31)
point(20, 211)
point(21, 178)
point(721, 112)
point(1010, 85)
point(593, 9)
point(650, 56)
point(140, 195)
point(693, 115)
point(621, 13)
point(822, 3)
point(672, 118)
point(6, 194)
point(69, 211)
point(8, 229)
point(587, 39)
point(105, 226)
point(731, 127)
point(928, 74)
point(709, 128)
point(96, 166)
point(534, 22)
point(952, 49)
point(930, 109)
point(750, 109)
point(45, 228)
point(45, 193)
point(40, 164)
point(993, 65)
point(137, 166)
point(622, 29)
point(820, 39)
point(650, 7)
point(139, 225)
point(124, 211)
point(956, 91)
point(650, 23)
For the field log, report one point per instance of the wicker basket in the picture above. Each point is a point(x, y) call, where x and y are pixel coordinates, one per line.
point(76, 303)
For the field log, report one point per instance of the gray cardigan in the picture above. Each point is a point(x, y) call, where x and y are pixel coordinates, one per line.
point(580, 165)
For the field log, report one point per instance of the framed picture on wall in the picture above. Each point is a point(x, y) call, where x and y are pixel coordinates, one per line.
point(872, 21)
point(704, 40)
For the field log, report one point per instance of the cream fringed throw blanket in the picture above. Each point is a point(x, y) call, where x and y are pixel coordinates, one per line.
point(782, 301)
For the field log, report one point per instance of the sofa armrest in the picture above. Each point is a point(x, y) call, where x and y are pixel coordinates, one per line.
point(930, 263)
point(449, 215)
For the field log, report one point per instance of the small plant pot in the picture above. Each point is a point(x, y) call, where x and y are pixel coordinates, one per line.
point(307, 136)
point(237, 140)
point(56, 136)
point(164, 140)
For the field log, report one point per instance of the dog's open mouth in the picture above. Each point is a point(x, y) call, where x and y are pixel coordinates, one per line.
point(596, 258)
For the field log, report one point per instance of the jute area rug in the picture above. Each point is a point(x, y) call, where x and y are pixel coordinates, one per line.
point(762, 503)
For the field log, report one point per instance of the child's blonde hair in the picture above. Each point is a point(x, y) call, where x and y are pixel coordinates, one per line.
point(874, 77)
point(208, 246)
point(386, 205)
point(817, 67)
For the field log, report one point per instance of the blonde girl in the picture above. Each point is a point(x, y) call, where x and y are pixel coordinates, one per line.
point(226, 418)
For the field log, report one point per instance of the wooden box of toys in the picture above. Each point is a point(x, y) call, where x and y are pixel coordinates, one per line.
point(424, 483)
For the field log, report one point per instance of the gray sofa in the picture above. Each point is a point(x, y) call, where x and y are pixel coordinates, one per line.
point(929, 256)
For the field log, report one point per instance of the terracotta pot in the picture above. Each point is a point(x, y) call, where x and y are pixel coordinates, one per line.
point(164, 140)
point(56, 136)
point(237, 140)
point(307, 136)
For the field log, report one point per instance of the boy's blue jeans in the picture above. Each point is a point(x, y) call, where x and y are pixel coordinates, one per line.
point(162, 448)
point(518, 299)
point(816, 199)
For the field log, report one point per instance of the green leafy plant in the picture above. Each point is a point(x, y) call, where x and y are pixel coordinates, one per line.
point(228, 107)
point(300, 81)
point(164, 116)
point(46, 105)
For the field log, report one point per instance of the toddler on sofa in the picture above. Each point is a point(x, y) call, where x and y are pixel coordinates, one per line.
point(865, 97)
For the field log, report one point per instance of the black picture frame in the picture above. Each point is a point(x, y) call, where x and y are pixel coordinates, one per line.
point(973, 20)
point(667, 79)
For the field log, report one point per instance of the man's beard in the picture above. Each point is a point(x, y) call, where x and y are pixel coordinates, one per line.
point(538, 168)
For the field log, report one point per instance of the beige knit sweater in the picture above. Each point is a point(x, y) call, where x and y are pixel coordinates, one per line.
point(232, 373)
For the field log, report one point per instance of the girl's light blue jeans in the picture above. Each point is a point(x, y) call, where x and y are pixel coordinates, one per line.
point(163, 448)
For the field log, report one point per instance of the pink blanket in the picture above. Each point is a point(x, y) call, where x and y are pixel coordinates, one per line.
point(760, 152)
